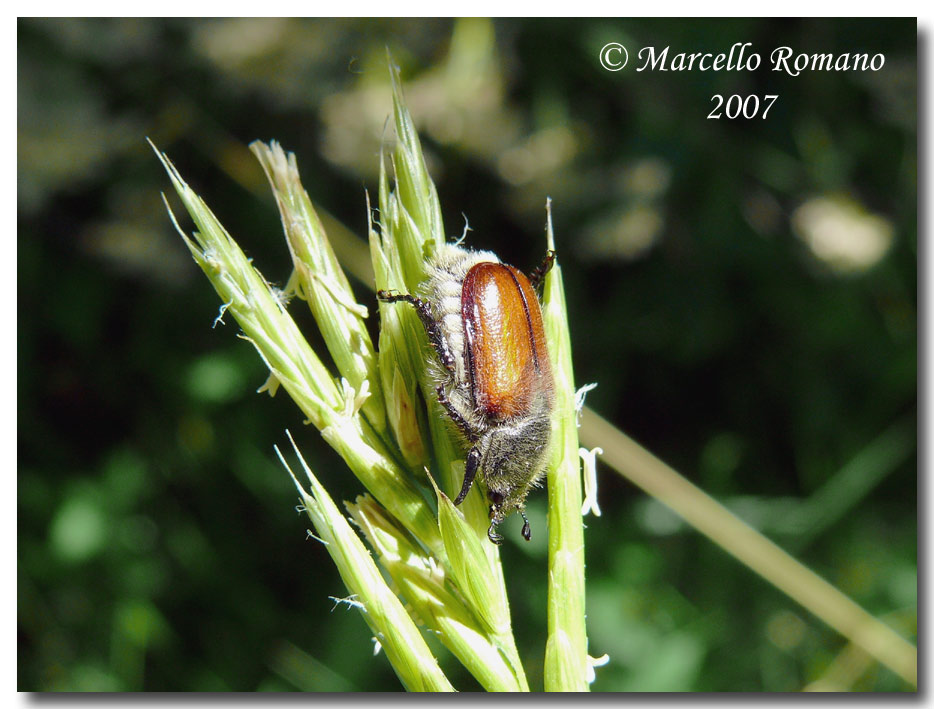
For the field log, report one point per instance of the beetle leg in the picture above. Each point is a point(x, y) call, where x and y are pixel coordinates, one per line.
point(432, 328)
point(455, 415)
point(470, 472)
point(526, 528)
point(536, 276)
point(494, 510)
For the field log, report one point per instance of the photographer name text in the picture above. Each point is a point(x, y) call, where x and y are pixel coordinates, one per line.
point(740, 57)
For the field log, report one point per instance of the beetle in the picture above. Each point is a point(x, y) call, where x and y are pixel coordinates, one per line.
point(492, 371)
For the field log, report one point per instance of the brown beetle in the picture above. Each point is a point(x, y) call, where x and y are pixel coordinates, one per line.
point(493, 373)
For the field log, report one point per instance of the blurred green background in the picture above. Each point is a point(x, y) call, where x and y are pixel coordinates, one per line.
point(743, 291)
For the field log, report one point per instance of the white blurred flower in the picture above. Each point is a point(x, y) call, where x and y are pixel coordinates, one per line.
point(842, 233)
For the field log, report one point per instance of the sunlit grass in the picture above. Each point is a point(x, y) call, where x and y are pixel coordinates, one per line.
point(446, 576)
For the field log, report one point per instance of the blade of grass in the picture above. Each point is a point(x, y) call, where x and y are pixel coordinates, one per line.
point(411, 229)
point(566, 649)
point(383, 612)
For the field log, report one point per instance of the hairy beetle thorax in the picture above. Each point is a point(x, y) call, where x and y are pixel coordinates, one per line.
point(443, 288)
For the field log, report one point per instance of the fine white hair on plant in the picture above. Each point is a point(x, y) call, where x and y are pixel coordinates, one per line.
point(463, 233)
point(220, 314)
point(593, 663)
point(312, 535)
point(282, 296)
point(579, 396)
point(350, 601)
point(589, 464)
